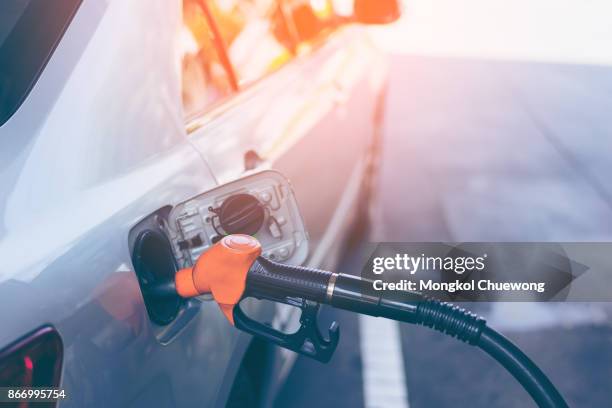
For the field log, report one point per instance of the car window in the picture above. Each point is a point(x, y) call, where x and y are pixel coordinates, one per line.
point(205, 78)
point(29, 32)
point(256, 36)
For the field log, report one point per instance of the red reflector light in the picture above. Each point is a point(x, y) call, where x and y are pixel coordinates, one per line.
point(33, 361)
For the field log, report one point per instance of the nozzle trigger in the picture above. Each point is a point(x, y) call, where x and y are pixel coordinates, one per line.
point(307, 340)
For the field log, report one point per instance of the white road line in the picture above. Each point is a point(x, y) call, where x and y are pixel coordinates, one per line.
point(384, 379)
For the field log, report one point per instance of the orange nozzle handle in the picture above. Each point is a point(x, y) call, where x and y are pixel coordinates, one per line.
point(221, 270)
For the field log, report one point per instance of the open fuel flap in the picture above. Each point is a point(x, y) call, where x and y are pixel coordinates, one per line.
point(261, 204)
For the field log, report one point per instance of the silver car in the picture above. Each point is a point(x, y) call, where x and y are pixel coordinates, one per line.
point(112, 112)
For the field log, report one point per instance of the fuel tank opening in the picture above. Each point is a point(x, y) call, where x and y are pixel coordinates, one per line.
point(155, 267)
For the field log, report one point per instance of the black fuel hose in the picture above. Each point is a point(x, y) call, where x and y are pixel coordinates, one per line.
point(533, 380)
point(271, 280)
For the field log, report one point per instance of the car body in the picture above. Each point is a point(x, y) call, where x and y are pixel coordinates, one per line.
point(101, 140)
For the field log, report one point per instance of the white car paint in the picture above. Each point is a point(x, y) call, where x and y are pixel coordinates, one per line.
point(100, 143)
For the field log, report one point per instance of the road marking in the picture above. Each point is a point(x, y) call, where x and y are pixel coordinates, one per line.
point(384, 378)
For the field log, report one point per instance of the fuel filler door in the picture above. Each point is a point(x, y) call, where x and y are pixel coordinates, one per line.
point(262, 205)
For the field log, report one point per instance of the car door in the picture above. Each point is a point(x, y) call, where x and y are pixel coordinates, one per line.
point(305, 91)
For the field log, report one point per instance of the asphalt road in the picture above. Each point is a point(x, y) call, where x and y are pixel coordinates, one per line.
point(488, 151)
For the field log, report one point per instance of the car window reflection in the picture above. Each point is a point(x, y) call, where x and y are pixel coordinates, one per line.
point(204, 79)
point(256, 36)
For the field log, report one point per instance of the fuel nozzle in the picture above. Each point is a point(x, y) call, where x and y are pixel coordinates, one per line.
point(221, 271)
point(233, 269)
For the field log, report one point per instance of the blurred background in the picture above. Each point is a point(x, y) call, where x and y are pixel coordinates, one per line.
point(497, 128)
